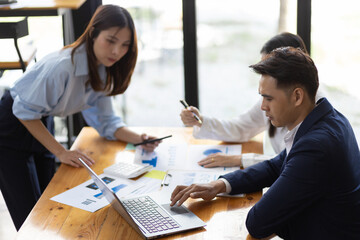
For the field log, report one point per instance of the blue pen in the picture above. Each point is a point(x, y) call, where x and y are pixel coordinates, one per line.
point(186, 106)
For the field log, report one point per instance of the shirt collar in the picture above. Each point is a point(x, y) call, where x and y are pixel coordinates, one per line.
point(322, 108)
point(80, 61)
point(289, 138)
point(81, 64)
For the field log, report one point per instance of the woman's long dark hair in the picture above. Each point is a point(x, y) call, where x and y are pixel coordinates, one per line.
point(119, 74)
point(284, 39)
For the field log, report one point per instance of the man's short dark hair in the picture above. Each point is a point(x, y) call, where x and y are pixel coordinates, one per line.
point(292, 68)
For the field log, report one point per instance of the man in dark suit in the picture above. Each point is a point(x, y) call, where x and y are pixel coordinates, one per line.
point(315, 182)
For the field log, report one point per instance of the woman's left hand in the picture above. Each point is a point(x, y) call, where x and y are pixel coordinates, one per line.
point(220, 160)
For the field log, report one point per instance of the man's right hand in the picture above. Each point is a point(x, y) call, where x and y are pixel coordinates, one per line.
point(205, 191)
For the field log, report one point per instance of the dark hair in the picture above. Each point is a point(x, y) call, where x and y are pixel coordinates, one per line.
point(291, 68)
point(284, 39)
point(119, 74)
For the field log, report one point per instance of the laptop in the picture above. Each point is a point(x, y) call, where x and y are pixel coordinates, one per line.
point(150, 215)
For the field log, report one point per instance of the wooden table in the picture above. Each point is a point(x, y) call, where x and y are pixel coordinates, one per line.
point(43, 4)
point(224, 216)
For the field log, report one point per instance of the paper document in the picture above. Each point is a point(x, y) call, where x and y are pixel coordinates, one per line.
point(181, 157)
point(88, 197)
point(165, 156)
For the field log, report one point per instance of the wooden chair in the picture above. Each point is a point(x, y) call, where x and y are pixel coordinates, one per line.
point(15, 57)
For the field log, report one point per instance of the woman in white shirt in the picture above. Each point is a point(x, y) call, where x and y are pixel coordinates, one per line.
point(81, 77)
point(245, 126)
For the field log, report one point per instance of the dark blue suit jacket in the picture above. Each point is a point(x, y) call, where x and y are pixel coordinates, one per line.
point(315, 189)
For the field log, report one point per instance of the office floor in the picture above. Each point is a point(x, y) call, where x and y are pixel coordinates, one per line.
point(7, 229)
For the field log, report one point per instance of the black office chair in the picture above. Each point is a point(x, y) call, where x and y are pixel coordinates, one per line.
point(15, 28)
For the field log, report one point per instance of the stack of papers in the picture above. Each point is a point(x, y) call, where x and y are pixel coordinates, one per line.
point(177, 162)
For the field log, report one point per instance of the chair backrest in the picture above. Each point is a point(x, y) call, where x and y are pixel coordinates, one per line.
point(15, 28)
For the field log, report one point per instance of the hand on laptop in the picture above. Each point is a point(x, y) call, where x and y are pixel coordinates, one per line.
point(71, 157)
point(206, 191)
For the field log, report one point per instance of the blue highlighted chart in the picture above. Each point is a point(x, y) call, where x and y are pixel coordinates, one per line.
point(107, 180)
point(164, 157)
point(149, 158)
point(115, 189)
point(118, 187)
point(152, 161)
point(99, 195)
point(211, 151)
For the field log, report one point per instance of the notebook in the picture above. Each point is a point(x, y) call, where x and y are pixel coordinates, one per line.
point(140, 211)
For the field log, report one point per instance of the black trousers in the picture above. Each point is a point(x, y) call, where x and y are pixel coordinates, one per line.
point(26, 167)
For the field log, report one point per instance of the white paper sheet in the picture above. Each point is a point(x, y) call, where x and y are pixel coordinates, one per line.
point(181, 157)
point(165, 156)
point(88, 197)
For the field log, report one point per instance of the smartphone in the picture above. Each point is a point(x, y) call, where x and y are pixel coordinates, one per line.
point(152, 140)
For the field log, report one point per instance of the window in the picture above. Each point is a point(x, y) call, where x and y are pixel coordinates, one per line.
point(230, 36)
point(335, 37)
point(152, 98)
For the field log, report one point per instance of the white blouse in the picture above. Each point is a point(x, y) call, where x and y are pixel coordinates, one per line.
point(242, 129)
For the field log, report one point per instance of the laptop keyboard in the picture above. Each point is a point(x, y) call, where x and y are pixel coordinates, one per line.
point(150, 215)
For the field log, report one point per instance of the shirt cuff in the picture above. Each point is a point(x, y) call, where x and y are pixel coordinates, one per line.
point(24, 111)
point(204, 131)
point(227, 184)
point(249, 159)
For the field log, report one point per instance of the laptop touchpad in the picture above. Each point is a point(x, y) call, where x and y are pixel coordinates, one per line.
point(174, 210)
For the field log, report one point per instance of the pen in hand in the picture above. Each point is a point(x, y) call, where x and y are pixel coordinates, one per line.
point(186, 106)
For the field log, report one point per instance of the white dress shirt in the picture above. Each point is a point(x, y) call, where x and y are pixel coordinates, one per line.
point(288, 139)
point(242, 129)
